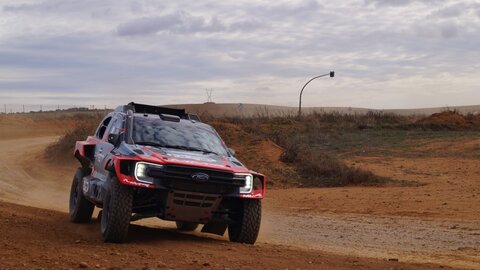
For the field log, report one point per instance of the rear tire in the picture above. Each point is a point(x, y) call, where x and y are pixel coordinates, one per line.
point(247, 219)
point(116, 213)
point(186, 226)
point(80, 209)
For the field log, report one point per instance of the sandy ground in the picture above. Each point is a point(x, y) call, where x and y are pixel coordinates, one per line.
point(334, 228)
point(32, 238)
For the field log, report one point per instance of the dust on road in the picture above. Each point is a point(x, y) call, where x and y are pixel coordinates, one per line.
point(17, 184)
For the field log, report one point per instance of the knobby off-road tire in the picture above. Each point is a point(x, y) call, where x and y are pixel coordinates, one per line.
point(186, 226)
point(80, 209)
point(247, 222)
point(116, 213)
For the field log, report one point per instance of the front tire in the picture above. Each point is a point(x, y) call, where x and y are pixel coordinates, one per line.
point(80, 209)
point(186, 226)
point(247, 219)
point(116, 213)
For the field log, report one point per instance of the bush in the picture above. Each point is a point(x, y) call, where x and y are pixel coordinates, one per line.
point(320, 169)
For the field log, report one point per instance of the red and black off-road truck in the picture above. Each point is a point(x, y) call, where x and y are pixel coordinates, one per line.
point(148, 161)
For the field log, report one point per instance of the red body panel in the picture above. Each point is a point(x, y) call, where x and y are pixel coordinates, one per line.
point(157, 158)
point(80, 145)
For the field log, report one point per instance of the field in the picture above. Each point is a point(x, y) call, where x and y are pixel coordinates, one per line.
point(404, 194)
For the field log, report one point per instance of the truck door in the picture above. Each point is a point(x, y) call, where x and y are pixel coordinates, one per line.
point(103, 149)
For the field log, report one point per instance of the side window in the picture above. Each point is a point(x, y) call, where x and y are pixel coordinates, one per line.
point(115, 125)
point(103, 127)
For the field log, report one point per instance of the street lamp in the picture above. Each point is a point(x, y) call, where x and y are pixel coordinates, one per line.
point(332, 74)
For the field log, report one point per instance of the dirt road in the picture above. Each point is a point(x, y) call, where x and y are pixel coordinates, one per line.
point(32, 238)
point(18, 183)
point(306, 237)
point(409, 239)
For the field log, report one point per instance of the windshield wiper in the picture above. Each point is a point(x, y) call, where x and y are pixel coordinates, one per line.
point(205, 151)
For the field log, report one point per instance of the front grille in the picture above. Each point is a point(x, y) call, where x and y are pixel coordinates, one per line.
point(180, 178)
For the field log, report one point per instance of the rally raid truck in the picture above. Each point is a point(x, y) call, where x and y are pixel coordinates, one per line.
point(147, 161)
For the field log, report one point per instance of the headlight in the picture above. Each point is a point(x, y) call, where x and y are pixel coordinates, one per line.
point(248, 184)
point(141, 172)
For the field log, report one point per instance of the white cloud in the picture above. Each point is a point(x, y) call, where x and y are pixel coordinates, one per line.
point(247, 51)
point(398, 3)
point(179, 22)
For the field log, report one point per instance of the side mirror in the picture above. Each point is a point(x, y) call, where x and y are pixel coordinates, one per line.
point(113, 139)
point(231, 151)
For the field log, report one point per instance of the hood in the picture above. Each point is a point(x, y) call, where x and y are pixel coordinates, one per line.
point(191, 158)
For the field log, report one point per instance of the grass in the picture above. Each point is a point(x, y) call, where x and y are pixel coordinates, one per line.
point(401, 143)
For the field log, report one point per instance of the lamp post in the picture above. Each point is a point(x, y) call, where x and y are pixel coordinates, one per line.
point(332, 74)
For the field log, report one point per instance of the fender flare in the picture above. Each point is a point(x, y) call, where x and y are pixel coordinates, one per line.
point(85, 162)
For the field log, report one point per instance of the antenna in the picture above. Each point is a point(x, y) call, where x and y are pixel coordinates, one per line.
point(209, 95)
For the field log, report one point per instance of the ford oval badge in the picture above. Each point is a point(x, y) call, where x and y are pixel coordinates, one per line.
point(200, 177)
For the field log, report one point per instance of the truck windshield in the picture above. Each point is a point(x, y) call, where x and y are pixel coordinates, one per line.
point(179, 135)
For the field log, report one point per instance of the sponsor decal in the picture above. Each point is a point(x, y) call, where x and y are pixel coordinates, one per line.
point(257, 195)
point(133, 183)
point(85, 186)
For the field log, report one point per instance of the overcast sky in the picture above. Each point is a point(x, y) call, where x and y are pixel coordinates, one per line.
point(386, 54)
